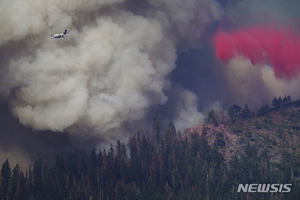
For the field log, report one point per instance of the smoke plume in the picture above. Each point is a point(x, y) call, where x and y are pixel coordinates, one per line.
point(124, 65)
point(256, 44)
point(112, 70)
point(280, 48)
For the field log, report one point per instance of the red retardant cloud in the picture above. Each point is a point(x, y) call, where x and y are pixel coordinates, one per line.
point(279, 48)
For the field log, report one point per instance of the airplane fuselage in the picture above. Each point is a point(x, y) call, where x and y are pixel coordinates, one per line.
point(58, 35)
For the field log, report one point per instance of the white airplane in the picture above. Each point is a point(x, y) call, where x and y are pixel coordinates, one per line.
point(60, 35)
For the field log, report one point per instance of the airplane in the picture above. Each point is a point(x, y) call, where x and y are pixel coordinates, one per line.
point(60, 35)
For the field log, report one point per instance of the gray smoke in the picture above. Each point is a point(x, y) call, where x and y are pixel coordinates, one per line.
point(238, 81)
point(256, 85)
point(109, 73)
point(249, 12)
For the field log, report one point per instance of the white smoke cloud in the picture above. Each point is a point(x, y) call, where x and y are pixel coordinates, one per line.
point(19, 18)
point(279, 87)
point(112, 69)
point(257, 85)
point(186, 19)
point(187, 111)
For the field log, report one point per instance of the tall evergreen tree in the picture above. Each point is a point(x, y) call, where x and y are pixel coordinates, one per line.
point(172, 130)
point(289, 99)
point(276, 103)
point(15, 183)
point(37, 179)
point(236, 109)
point(246, 113)
point(5, 178)
point(156, 129)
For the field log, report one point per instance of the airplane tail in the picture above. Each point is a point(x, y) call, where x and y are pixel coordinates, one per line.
point(65, 32)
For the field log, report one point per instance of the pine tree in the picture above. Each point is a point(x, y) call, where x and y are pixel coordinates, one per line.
point(149, 192)
point(30, 182)
point(156, 129)
point(289, 99)
point(92, 173)
point(37, 179)
point(5, 178)
point(284, 99)
point(246, 113)
point(280, 101)
point(24, 193)
point(135, 162)
point(236, 109)
point(172, 131)
point(15, 183)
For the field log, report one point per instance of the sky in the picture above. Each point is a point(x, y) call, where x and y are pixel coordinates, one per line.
point(125, 63)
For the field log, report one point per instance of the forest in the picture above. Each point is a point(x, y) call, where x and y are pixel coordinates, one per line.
point(162, 164)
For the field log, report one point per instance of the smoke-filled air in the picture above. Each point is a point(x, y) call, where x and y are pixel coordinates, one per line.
point(279, 48)
point(257, 44)
point(109, 73)
point(128, 61)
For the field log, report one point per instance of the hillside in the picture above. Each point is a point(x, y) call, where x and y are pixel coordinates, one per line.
point(274, 133)
point(205, 162)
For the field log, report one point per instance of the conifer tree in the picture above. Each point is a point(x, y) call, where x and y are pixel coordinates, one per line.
point(289, 99)
point(5, 178)
point(37, 179)
point(246, 113)
point(15, 183)
point(236, 109)
point(156, 129)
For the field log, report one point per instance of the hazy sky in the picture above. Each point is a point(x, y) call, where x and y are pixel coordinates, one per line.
point(125, 63)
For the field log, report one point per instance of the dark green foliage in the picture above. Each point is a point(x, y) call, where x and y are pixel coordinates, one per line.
point(236, 110)
point(156, 129)
point(246, 113)
point(263, 111)
point(280, 132)
point(275, 103)
point(282, 111)
point(172, 167)
point(248, 134)
point(257, 125)
point(278, 103)
point(5, 178)
point(289, 99)
point(219, 141)
point(37, 179)
point(15, 179)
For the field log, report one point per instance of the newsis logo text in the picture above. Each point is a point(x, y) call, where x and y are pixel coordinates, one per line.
point(264, 188)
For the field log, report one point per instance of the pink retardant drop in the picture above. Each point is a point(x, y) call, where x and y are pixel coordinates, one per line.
point(279, 48)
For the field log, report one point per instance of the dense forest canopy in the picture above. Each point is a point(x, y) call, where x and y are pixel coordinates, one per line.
point(164, 164)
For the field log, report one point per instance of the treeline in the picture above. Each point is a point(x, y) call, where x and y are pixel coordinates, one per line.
point(161, 165)
point(236, 112)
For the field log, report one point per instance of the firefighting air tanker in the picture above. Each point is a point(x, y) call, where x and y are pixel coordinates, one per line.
point(60, 35)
